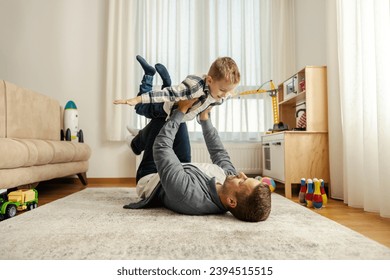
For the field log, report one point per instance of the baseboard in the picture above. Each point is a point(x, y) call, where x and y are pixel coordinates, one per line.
point(97, 181)
point(111, 180)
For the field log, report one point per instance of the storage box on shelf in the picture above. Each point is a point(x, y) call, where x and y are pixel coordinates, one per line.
point(302, 151)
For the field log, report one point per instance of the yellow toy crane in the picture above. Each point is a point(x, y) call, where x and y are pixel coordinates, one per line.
point(278, 126)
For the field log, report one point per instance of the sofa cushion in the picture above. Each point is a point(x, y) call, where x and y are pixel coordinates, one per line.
point(39, 151)
point(31, 115)
point(13, 153)
point(66, 151)
point(31, 152)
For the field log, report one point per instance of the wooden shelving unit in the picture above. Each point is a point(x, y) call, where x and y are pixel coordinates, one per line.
point(290, 155)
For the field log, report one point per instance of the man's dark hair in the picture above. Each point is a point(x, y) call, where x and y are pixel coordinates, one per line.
point(255, 207)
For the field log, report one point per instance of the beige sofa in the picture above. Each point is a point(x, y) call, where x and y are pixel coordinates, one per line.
point(31, 149)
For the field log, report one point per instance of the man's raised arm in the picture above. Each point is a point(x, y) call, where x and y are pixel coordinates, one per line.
point(171, 171)
point(217, 151)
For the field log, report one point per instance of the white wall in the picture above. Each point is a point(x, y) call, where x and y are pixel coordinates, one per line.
point(334, 111)
point(310, 32)
point(316, 44)
point(58, 48)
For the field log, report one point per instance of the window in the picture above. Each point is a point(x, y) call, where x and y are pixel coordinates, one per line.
point(187, 36)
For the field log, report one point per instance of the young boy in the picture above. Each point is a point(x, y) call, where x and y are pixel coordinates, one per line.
point(211, 89)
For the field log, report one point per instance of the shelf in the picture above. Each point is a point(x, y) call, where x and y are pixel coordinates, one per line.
point(294, 100)
point(300, 153)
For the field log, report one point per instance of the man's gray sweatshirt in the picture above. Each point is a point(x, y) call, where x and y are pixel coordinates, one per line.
point(186, 188)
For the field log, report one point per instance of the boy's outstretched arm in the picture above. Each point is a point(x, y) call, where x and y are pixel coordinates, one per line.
point(190, 88)
point(132, 101)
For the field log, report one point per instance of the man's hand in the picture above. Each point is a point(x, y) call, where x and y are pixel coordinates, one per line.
point(184, 105)
point(204, 115)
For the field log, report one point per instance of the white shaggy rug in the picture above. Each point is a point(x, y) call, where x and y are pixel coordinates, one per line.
point(92, 224)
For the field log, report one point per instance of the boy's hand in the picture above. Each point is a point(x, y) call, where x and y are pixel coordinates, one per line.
point(204, 115)
point(184, 105)
point(132, 101)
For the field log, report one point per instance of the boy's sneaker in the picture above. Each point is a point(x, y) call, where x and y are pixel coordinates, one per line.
point(164, 75)
point(149, 70)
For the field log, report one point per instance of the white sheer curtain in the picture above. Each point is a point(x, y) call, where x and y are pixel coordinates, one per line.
point(364, 67)
point(187, 36)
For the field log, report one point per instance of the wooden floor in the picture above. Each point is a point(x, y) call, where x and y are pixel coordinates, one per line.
point(368, 224)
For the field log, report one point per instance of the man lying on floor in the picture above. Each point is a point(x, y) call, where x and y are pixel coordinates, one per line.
point(191, 188)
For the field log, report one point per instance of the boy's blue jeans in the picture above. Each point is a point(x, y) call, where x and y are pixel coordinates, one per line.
point(145, 138)
point(152, 110)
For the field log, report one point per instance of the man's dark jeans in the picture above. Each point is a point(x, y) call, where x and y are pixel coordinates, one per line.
point(145, 139)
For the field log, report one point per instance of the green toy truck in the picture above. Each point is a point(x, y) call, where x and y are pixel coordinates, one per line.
point(17, 201)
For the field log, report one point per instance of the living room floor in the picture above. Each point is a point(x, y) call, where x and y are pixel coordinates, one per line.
point(368, 224)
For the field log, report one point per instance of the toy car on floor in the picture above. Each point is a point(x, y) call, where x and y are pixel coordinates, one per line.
point(18, 200)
